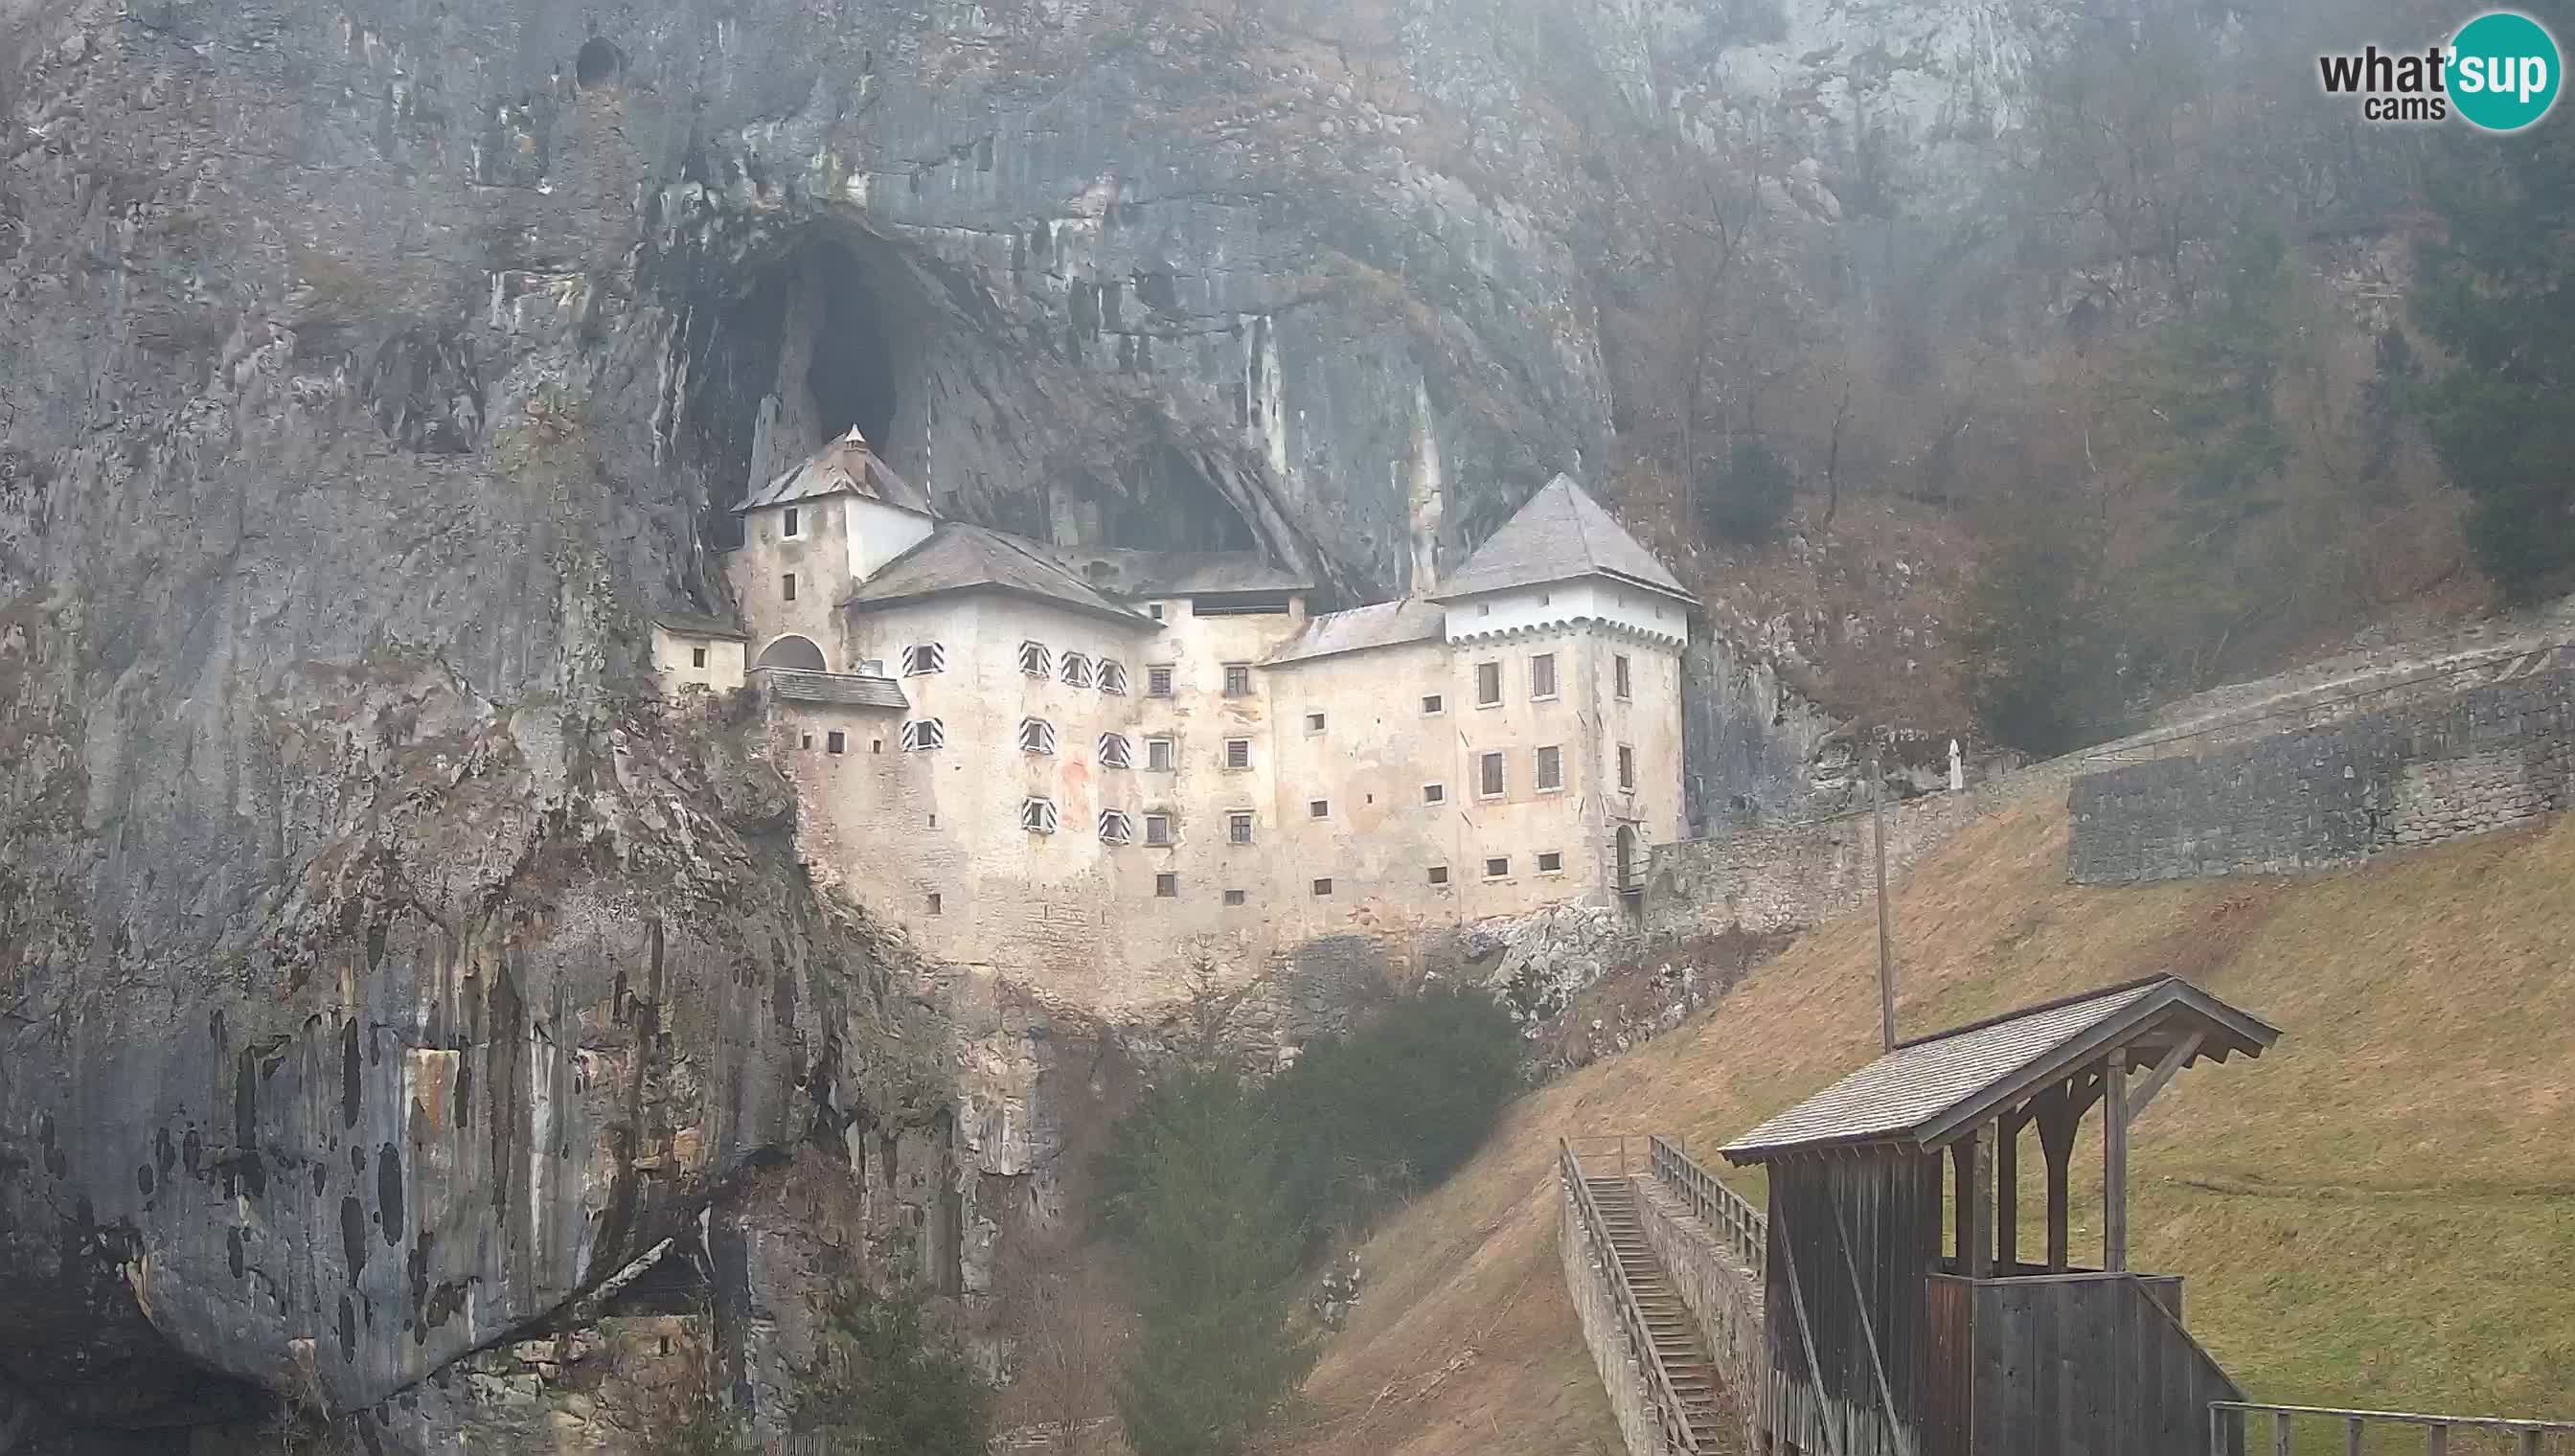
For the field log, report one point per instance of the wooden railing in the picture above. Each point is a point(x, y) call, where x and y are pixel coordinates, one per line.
point(2235, 1428)
point(1745, 1229)
point(1670, 1412)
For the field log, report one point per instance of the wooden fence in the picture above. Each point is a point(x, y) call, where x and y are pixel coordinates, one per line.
point(2255, 1429)
point(1669, 1413)
point(1745, 1228)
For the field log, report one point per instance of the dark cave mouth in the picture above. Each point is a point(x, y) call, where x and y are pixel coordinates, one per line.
point(856, 378)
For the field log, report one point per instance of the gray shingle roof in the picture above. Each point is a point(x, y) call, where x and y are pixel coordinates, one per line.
point(955, 557)
point(1182, 572)
point(1559, 535)
point(1385, 625)
point(1927, 1090)
point(691, 624)
point(848, 689)
point(847, 466)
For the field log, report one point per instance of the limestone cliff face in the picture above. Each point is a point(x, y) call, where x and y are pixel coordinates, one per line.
point(378, 972)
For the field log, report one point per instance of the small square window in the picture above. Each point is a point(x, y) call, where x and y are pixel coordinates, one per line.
point(1489, 683)
point(1114, 752)
point(1626, 768)
point(1238, 752)
point(1158, 680)
point(1431, 704)
point(1483, 609)
point(1154, 610)
point(1618, 674)
point(1235, 896)
point(836, 741)
point(1313, 722)
point(922, 659)
point(1318, 809)
point(1036, 735)
point(1237, 679)
point(1550, 769)
point(1434, 794)
point(1550, 862)
point(1438, 874)
point(792, 521)
point(1238, 828)
point(803, 740)
point(1498, 868)
point(1158, 828)
point(697, 657)
point(1113, 677)
point(1489, 772)
point(933, 902)
point(788, 591)
point(1036, 661)
point(1036, 816)
point(1323, 888)
point(875, 745)
point(1542, 676)
point(1115, 827)
point(921, 734)
point(1166, 886)
point(1160, 754)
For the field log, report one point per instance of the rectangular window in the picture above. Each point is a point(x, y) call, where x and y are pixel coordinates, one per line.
point(1036, 816)
point(1542, 676)
point(1431, 704)
point(1489, 683)
point(1318, 809)
point(922, 734)
point(1158, 828)
point(1155, 611)
point(789, 590)
point(1077, 670)
point(1323, 888)
point(933, 902)
point(835, 741)
point(1498, 868)
point(1549, 770)
point(1434, 794)
point(1488, 775)
point(1166, 886)
point(1235, 896)
point(1160, 754)
point(1313, 722)
point(697, 657)
point(1158, 680)
point(1114, 752)
point(804, 740)
point(1238, 752)
point(1036, 735)
point(1237, 679)
point(875, 745)
point(922, 659)
point(1113, 677)
point(1626, 768)
point(1035, 659)
point(1238, 827)
point(1623, 685)
point(792, 521)
point(1115, 827)
point(1550, 862)
point(1438, 874)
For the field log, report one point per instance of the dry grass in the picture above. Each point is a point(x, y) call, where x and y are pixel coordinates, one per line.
point(2380, 1212)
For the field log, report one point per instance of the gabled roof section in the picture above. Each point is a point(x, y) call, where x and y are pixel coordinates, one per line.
point(1927, 1092)
point(691, 624)
point(1384, 624)
point(1559, 535)
point(847, 466)
point(955, 557)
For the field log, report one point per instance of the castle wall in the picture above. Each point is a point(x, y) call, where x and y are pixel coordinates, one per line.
point(818, 556)
point(674, 664)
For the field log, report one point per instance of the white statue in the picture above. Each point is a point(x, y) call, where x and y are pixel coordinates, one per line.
point(1958, 768)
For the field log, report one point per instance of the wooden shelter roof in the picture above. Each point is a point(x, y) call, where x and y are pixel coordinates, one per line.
point(1930, 1091)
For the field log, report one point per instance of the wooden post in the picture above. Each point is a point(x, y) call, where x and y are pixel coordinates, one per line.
point(1885, 926)
point(2057, 1114)
point(1971, 1235)
point(2006, 1194)
point(2114, 1163)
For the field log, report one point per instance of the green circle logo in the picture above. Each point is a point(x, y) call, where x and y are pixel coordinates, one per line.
point(2503, 71)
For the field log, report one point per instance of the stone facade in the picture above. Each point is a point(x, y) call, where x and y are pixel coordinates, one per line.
point(1775, 877)
point(2418, 773)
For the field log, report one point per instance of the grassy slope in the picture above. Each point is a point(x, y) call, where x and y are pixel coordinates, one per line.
point(2380, 1212)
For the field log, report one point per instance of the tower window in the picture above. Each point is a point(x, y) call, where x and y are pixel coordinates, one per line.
point(1434, 794)
point(933, 902)
point(836, 741)
point(1036, 816)
point(1438, 874)
point(1552, 862)
point(697, 657)
point(1158, 828)
point(1238, 827)
point(1550, 769)
point(1077, 670)
point(1498, 868)
point(1323, 889)
point(1036, 661)
point(1235, 896)
point(922, 659)
point(1238, 752)
point(1488, 775)
point(1237, 679)
point(1619, 675)
point(1542, 676)
point(1626, 768)
point(922, 734)
point(1313, 722)
point(792, 523)
point(1431, 704)
point(1036, 735)
point(1318, 809)
point(787, 592)
point(1489, 683)
point(1166, 886)
point(1154, 610)
point(1115, 827)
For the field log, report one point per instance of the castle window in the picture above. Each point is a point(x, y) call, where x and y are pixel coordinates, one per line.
point(1313, 722)
point(1323, 889)
point(1238, 827)
point(1550, 769)
point(1036, 661)
point(1626, 768)
point(1488, 775)
point(1434, 794)
point(1542, 676)
point(1158, 680)
point(1235, 896)
point(1166, 886)
point(1036, 816)
point(792, 523)
point(1619, 675)
point(1114, 752)
point(1154, 610)
point(1238, 752)
point(1160, 754)
point(933, 902)
point(1318, 809)
point(875, 745)
point(1113, 677)
point(1438, 874)
point(922, 734)
point(1114, 829)
point(1237, 679)
point(697, 657)
point(836, 741)
point(1498, 868)
point(1036, 735)
point(804, 740)
point(787, 591)
point(922, 659)
point(1489, 683)
point(1077, 670)
point(1550, 862)
point(1158, 828)
point(1431, 706)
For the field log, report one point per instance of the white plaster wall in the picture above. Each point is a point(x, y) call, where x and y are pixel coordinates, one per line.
point(1557, 603)
point(877, 533)
point(673, 664)
point(818, 556)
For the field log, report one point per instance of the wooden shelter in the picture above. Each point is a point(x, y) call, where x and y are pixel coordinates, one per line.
point(1886, 1338)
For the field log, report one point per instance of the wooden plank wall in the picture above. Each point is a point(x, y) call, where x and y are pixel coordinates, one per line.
point(1850, 1242)
point(2086, 1363)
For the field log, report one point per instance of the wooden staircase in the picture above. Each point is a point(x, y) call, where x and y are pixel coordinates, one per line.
point(1675, 1332)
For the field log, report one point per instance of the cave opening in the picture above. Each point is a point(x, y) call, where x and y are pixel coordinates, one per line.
point(854, 374)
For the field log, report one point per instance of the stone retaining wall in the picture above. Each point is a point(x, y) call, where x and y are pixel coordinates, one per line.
point(2418, 773)
point(1587, 1279)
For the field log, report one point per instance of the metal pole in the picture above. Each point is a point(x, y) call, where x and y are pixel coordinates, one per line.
point(1885, 926)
